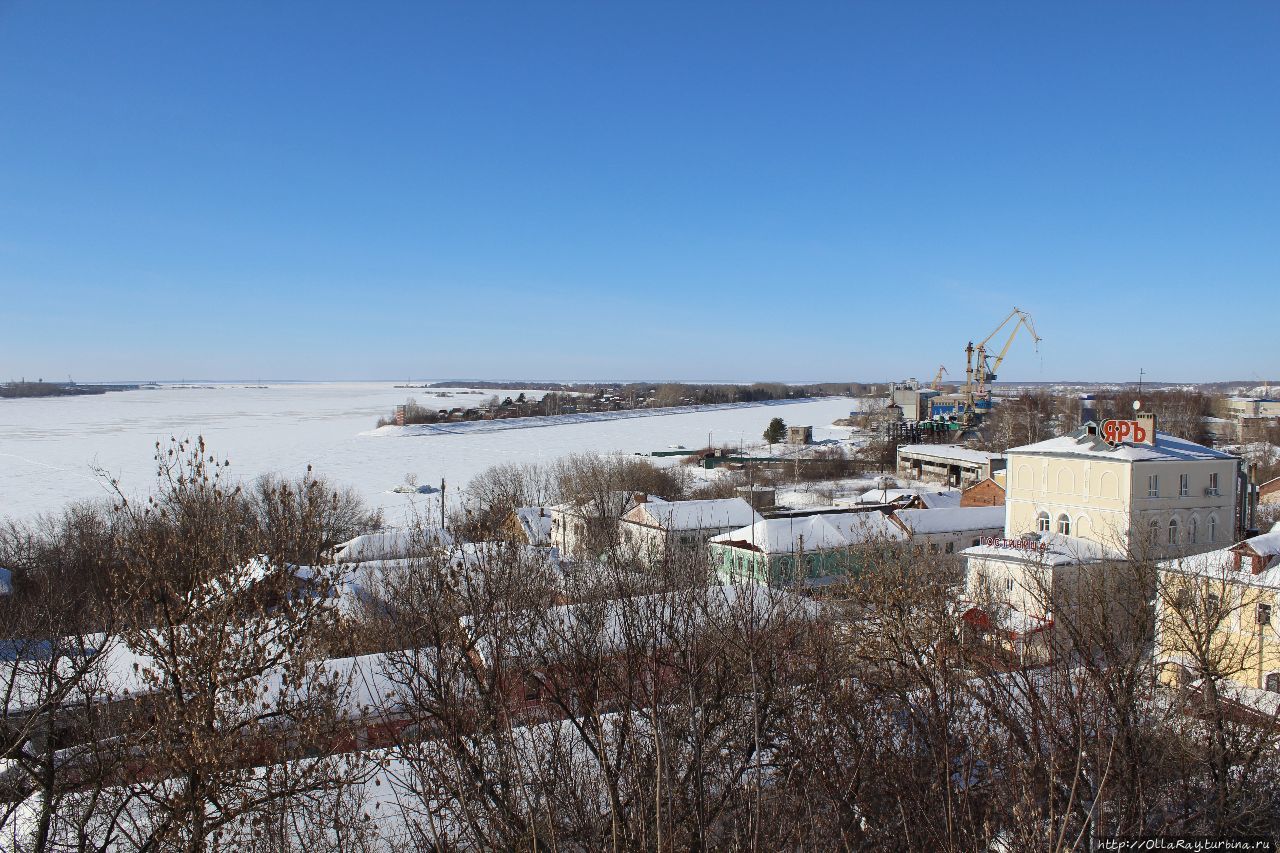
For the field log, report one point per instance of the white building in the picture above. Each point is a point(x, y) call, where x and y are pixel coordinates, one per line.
point(587, 529)
point(654, 529)
point(802, 550)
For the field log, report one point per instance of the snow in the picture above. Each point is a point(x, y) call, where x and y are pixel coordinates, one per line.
point(1168, 448)
point(944, 499)
point(1060, 551)
point(820, 532)
point(49, 447)
point(952, 519)
point(948, 453)
point(535, 521)
point(695, 515)
point(388, 545)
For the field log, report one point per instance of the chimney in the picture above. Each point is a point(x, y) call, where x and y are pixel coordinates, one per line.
point(640, 498)
point(1147, 421)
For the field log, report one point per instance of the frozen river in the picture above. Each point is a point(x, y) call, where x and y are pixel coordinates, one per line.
point(49, 448)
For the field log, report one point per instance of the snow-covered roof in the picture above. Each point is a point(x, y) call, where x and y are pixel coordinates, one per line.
point(390, 544)
point(1221, 564)
point(954, 453)
point(1266, 544)
point(535, 521)
point(1050, 549)
point(467, 565)
point(940, 500)
point(884, 496)
point(694, 515)
point(612, 505)
point(951, 519)
point(1167, 448)
point(814, 532)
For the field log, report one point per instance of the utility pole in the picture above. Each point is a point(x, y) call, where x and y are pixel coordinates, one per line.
point(442, 510)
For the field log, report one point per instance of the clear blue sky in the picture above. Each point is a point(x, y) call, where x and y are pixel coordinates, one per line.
point(637, 190)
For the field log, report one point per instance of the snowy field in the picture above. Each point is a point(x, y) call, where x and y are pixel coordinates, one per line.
point(49, 448)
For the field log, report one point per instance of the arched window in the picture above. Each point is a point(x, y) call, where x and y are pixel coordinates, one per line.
point(1064, 524)
point(1173, 531)
point(1193, 530)
point(1153, 532)
point(1042, 522)
point(1213, 528)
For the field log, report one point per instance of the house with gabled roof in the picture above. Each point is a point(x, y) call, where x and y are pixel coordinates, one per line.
point(658, 529)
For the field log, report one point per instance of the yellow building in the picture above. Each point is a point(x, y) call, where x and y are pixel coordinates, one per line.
point(1218, 616)
point(1085, 514)
point(1156, 497)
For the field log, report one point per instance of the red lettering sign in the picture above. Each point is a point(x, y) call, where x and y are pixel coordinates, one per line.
point(1016, 544)
point(1116, 432)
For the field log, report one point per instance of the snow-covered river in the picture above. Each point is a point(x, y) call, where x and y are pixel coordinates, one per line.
point(50, 448)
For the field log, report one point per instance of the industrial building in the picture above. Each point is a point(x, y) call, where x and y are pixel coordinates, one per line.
point(953, 464)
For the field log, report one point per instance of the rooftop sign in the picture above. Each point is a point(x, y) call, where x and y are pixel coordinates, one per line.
point(1116, 432)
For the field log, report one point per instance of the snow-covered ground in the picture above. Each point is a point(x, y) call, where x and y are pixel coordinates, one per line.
point(50, 447)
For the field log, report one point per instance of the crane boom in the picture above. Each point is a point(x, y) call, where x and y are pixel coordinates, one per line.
point(978, 370)
point(1024, 319)
point(937, 378)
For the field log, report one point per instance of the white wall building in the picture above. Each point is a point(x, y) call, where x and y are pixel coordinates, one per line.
point(655, 528)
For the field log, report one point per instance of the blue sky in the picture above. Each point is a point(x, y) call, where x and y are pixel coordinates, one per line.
point(648, 190)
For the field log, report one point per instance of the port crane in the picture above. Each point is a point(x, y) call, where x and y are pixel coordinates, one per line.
point(980, 371)
point(937, 378)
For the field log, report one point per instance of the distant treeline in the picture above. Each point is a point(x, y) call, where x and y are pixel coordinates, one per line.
point(56, 389)
point(572, 398)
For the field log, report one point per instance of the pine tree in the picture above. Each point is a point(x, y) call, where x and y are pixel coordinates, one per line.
point(776, 431)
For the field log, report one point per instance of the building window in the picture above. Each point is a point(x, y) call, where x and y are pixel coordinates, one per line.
point(1213, 528)
point(1153, 532)
point(1193, 530)
point(951, 547)
point(1153, 485)
point(977, 542)
point(1273, 682)
point(1213, 484)
point(1211, 603)
point(1064, 525)
point(1042, 522)
point(1264, 614)
point(1173, 531)
point(1008, 584)
point(1184, 485)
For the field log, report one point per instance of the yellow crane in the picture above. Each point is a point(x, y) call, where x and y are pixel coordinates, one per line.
point(937, 379)
point(979, 371)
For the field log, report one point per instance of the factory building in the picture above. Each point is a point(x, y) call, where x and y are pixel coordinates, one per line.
point(953, 464)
